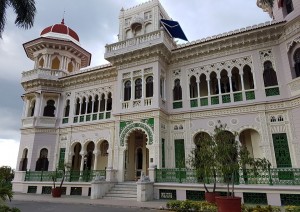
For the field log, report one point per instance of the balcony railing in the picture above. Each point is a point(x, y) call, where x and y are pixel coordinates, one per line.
point(90, 117)
point(223, 98)
point(41, 121)
point(71, 176)
point(42, 74)
point(272, 176)
point(272, 91)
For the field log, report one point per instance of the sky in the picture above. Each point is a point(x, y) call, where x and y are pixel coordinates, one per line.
point(96, 23)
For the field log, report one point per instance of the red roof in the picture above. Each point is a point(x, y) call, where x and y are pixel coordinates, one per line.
point(61, 29)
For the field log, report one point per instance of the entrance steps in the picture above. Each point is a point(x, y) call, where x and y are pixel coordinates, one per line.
point(123, 191)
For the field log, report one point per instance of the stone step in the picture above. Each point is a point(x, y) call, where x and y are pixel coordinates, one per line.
point(120, 198)
point(121, 192)
point(121, 195)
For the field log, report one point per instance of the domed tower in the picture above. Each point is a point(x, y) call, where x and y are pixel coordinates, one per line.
point(280, 10)
point(56, 53)
point(58, 48)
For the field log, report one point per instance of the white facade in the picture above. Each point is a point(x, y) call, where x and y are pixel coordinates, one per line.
point(176, 92)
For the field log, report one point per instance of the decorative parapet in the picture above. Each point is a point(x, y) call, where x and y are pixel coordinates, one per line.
point(46, 74)
point(139, 42)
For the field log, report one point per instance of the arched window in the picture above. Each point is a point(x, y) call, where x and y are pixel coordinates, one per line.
point(103, 148)
point(70, 67)
point(149, 87)
point(109, 102)
point(32, 108)
point(77, 110)
point(203, 85)
point(297, 62)
point(193, 87)
point(88, 158)
point(214, 85)
point(90, 105)
point(270, 78)
point(248, 78)
point(127, 90)
point(55, 63)
point(49, 109)
point(236, 80)
point(138, 89)
point(67, 109)
point(225, 87)
point(102, 103)
point(42, 163)
point(288, 6)
point(41, 63)
point(24, 160)
point(83, 106)
point(177, 91)
point(96, 104)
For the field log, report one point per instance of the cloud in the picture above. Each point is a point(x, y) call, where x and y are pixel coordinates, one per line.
point(8, 152)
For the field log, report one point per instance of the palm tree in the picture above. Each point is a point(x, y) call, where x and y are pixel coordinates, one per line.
point(24, 9)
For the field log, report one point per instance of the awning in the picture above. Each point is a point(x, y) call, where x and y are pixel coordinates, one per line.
point(173, 28)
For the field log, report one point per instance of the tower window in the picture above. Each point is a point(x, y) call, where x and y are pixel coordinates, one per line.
point(289, 6)
point(270, 78)
point(138, 88)
point(67, 109)
point(297, 62)
point(49, 109)
point(149, 86)
point(177, 91)
point(127, 91)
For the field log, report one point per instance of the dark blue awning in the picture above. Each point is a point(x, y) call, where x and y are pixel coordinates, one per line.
point(173, 28)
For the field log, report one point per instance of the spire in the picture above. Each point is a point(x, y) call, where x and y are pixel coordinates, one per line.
point(63, 19)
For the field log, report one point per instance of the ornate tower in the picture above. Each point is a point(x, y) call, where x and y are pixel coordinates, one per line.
point(56, 53)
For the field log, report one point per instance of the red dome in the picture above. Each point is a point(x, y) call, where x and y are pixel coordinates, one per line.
point(60, 29)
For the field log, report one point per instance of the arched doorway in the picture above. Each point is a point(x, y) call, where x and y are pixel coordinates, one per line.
point(251, 140)
point(76, 159)
point(136, 154)
point(24, 160)
point(88, 158)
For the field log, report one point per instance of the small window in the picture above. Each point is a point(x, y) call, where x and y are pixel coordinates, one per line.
point(67, 109)
point(273, 119)
point(109, 102)
point(289, 6)
point(297, 62)
point(270, 78)
point(83, 106)
point(102, 103)
point(77, 107)
point(138, 88)
point(96, 104)
point(149, 87)
point(127, 90)
point(193, 87)
point(280, 118)
point(90, 105)
point(49, 109)
point(177, 91)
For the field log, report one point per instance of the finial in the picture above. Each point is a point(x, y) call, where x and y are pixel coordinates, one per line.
point(63, 19)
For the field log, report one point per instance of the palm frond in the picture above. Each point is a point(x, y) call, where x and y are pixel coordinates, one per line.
point(25, 10)
point(3, 6)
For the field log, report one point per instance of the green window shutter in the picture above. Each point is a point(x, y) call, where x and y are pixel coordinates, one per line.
point(281, 149)
point(61, 162)
point(163, 153)
point(179, 153)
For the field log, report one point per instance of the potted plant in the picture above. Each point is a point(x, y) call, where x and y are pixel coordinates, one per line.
point(56, 191)
point(230, 158)
point(202, 159)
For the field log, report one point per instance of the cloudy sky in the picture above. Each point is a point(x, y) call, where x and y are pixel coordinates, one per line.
point(96, 22)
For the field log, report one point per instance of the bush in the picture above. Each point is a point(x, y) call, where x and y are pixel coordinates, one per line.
point(291, 208)
point(259, 208)
point(5, 208)
point(188, 205)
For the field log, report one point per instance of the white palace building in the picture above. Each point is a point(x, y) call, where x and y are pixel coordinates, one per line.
point(140, 114)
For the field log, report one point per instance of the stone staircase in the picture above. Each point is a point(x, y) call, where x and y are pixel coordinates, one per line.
point(123, 191)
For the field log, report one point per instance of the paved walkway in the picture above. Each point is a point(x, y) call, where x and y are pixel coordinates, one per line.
point(155, 204)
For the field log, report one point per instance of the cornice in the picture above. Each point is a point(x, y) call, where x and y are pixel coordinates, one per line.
point(228, 45)
point(238, 110)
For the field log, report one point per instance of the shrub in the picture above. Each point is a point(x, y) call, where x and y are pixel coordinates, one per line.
point(259, 208)
point(292, 208)
point(188, 205)
point(5, 208)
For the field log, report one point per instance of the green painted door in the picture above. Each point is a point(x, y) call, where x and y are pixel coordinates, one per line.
point(179, 153)
point(281, 148)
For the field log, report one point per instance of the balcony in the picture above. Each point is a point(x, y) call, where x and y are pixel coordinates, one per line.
point(139, 42)
point(46, 74)
point(137, 103)
point(47, 122)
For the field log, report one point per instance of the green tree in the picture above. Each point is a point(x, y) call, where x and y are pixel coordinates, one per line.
point(6, 174)
point(24, 9)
